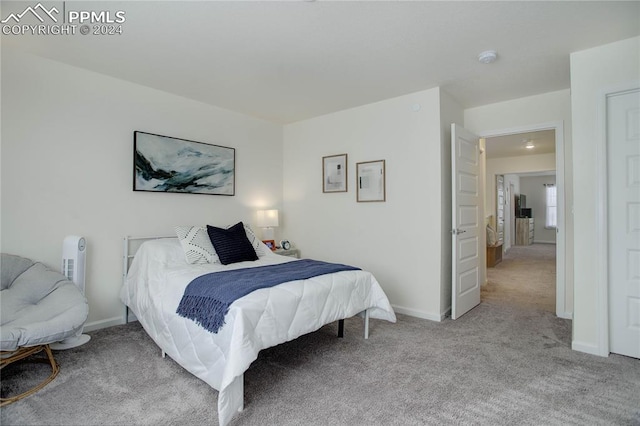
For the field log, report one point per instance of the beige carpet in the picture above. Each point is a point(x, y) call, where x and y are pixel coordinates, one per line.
point(504, 363)
point(525, 277)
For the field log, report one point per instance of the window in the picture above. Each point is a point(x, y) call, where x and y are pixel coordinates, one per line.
point(551, 198)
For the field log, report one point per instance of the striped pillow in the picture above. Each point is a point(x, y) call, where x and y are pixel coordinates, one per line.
point(232, 244)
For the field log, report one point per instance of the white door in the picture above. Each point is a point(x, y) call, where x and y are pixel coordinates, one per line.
point(500, 202)
point(623, 156)
point(466, 223)
point(510, 217)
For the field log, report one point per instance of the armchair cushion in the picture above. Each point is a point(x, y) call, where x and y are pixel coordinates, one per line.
point(12, 266)
point(39, 305)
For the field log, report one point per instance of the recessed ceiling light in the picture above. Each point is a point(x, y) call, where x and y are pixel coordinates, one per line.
point(488, 56)
point(529, 145)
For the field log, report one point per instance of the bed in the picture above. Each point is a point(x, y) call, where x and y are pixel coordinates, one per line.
point(155, 280)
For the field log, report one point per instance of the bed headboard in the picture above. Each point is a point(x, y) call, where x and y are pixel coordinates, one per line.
point(131, 245)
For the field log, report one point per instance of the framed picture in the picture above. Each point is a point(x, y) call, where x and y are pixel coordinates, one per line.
point(370, 181)
point(334, 173)
point(167, 164)
point(270, 243)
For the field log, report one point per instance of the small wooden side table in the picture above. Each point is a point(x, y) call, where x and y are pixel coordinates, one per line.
point(494, 255)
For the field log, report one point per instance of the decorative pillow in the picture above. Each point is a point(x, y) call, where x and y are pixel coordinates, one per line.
point(196, 244)
point(231, 244)
point(255, 242)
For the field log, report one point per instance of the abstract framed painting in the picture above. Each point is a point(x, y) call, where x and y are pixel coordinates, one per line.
point(167, 164)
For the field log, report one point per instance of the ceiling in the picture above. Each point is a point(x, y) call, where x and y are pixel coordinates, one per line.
point(544, 142)
point(292, 60)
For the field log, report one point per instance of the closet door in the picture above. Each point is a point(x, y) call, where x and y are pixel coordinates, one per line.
point(623, 140)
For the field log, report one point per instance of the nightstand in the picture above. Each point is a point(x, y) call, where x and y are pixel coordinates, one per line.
point(494, 254)
point(291, 252)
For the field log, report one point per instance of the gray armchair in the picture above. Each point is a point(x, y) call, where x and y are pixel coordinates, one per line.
point(38, 306)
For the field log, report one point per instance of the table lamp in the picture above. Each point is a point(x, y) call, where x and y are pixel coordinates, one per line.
point(267, 220)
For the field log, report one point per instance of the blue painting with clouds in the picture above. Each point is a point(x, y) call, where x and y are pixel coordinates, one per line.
point(166, 164)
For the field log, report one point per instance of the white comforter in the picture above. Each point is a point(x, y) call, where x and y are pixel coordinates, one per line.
point(156, 282)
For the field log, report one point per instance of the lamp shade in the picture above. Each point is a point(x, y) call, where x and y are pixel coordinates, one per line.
point(267, 218)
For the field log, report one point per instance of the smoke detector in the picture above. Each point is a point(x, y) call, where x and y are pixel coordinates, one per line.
point(488, 56)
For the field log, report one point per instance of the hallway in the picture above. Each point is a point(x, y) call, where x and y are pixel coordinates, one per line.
point(525, 277)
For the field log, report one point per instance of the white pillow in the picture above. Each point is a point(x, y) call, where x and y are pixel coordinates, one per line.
point(255, 242)
point(196, 244)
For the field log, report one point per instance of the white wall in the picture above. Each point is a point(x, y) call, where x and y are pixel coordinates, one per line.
point(594, 73)
point(67, 156)
point(398, 240)
point(531, 111)
point(533, 187)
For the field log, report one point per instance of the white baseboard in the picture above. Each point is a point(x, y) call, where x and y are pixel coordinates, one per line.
point(418, 314)
point(565, 315)
point(587, 348)
point(544, 242)
point(109, 322)
point(446, 314)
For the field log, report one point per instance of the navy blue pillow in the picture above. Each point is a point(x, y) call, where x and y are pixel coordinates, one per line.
point(231, 244)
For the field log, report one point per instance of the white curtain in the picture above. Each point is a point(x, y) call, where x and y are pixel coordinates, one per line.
point(551, 220)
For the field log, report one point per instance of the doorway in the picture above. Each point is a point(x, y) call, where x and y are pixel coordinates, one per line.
point(520, 138)
point(524, 278)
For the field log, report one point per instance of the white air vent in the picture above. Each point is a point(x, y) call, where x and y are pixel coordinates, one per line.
point(74, 250)
point(67, 267)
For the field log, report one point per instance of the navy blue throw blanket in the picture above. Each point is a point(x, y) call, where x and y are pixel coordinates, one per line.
point(207, 298)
